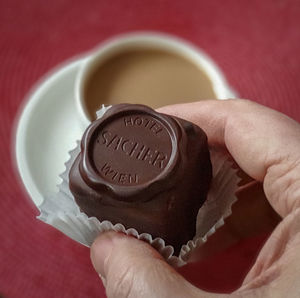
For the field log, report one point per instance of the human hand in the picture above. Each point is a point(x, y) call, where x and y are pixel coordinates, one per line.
point(266, 145)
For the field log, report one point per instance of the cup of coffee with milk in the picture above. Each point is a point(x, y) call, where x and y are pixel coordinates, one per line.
point(146, 68)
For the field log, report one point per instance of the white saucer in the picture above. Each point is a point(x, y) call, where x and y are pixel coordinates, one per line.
point(47, 130)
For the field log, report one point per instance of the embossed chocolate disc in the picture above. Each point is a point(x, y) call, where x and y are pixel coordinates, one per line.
point(131, 149)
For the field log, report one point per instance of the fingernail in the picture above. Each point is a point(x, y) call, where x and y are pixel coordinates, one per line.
point(101, 250)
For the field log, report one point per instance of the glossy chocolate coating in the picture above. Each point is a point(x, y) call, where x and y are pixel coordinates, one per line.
point(144, 169)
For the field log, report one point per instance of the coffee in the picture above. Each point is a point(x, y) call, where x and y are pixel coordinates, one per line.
point(152, 77)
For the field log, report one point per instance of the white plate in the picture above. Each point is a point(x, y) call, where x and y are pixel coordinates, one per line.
point(47, 130)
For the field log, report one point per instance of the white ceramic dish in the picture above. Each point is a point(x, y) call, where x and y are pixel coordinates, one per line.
point(47, 129)
point(50, 125)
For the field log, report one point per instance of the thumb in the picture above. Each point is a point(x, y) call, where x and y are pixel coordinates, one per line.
point(132, 268)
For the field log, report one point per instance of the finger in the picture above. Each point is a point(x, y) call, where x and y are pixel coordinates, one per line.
point(278, 265)
point(264, 143)
point(132, 268)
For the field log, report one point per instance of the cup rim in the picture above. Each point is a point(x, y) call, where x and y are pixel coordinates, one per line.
point(154, 40)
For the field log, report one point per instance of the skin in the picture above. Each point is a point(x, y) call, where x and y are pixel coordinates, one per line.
point(266, 146)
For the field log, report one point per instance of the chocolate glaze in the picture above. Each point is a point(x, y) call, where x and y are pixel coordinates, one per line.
point(144, 169)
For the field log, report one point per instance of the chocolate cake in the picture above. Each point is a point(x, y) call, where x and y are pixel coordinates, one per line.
point(145, 170)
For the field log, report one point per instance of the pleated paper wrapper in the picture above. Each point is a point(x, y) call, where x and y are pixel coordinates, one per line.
point(60, 210)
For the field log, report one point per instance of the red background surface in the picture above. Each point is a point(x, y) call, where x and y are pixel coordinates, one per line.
point(257, 45)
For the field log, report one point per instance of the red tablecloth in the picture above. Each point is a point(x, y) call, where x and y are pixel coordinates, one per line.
point(255, 42)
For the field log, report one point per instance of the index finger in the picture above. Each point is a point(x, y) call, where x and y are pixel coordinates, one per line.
point(264, 143)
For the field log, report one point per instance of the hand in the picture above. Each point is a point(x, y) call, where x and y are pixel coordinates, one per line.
point(266, 145)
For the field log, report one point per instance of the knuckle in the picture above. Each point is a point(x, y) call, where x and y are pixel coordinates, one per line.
point(283, 186)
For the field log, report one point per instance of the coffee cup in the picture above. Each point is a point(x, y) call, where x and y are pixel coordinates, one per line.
point(147, 68)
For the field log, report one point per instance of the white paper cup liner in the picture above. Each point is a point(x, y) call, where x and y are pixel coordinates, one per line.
point(61, 211)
